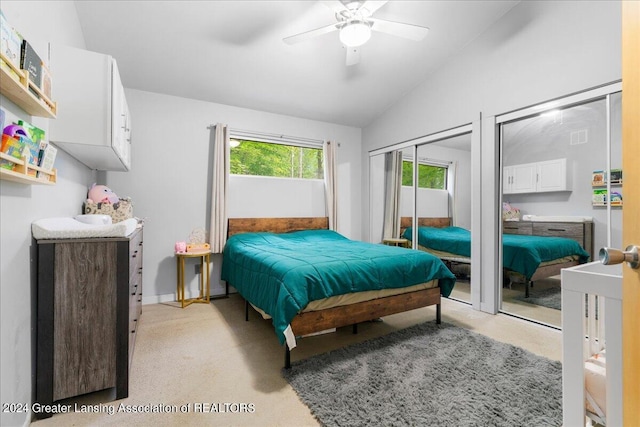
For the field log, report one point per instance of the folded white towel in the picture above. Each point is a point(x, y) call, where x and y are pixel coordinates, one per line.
point(70, 228)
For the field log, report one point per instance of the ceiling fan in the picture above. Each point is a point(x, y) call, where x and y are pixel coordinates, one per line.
point(355, 23)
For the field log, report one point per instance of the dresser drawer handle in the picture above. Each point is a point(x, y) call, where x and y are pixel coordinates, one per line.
point(133, 332)
point(134, 255)
point(556, 229)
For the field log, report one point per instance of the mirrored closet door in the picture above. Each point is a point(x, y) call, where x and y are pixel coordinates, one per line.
point(561, 177)
point(426, 182)
point(443, 203)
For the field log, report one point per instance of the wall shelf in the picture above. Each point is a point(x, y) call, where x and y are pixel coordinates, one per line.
point(17, 90)
point(21, 171)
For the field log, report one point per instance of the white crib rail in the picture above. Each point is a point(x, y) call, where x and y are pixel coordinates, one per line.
point(581, 339)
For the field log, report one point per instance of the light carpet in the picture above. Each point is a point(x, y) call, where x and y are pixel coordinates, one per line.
point(547, 297)
point(430, 375)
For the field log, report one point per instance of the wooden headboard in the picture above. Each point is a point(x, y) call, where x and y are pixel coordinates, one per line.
point(406, 222)
point(276, 225)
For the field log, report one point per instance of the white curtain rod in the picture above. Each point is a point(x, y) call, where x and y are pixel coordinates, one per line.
point(428, 160)
point(272, 137)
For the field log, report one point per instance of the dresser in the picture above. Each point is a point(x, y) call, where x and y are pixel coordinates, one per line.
point(89, 302)
point(581, 232)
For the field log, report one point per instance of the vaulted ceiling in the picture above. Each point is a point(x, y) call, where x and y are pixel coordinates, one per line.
point(231, 52)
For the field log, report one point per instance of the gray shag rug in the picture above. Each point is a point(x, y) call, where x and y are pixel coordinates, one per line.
point(549, 297)
point(430, 375)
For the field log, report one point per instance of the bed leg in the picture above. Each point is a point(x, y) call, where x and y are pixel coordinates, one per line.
point(526, 287)
point(246, 310)
point(287, 357)
point(438, 314)
point(354, 328)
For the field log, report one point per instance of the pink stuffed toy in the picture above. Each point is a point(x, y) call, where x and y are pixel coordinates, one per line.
point(102, 194)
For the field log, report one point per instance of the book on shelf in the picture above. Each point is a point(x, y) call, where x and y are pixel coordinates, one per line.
point(12, 147)
point(33, 132)
point(598, 178)
point(48, 158)
point(31, 62)
point(45, 83)
point(31, 153)
point(11, 46)
point(616, 176)
point(34, 143)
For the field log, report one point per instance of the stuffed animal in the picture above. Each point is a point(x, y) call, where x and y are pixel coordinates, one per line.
point(102, 194)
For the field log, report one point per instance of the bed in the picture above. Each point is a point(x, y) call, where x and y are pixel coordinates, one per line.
point(309, 279)
point(532, 257)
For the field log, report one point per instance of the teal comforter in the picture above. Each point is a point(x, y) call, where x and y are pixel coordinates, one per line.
point(520, 253)
point(282, 273)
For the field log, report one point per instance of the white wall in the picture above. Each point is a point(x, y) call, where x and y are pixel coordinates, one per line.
point(536, 52)
point(22, 204)
point(170, 178)
point(268, 197)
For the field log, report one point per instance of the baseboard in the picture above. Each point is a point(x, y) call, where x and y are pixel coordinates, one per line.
point(158, 299)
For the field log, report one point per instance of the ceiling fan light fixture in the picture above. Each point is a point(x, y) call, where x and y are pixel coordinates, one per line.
point(355, 34)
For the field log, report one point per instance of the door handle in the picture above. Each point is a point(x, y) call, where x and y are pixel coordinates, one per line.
point(609, 256)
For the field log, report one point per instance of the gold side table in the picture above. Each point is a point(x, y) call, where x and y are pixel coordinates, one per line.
point(404, 243)
point(205, 282)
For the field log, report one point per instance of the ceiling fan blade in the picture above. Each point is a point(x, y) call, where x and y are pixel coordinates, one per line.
point(336, 5)
point(371, 6)
point(310, 34)
point(353, 55)
point(407, 31)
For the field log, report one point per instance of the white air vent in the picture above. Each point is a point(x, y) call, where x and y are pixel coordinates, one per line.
point(579, 137)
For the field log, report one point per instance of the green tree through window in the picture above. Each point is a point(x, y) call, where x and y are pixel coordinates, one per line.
point(429, 176)
point(276, 160)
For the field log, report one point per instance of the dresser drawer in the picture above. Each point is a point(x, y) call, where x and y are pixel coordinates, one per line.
point(516, 227)
point(569, 230)
point(135, 254)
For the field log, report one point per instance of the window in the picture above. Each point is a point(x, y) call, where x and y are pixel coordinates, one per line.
point(276, 160)
point(429, 176)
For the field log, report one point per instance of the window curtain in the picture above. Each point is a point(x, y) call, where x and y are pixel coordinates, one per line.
point(219, 188)
point(392, 189)
point(330, 182)
point(452, 173)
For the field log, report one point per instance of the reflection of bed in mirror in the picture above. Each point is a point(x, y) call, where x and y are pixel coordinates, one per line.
point(309, 279)
point(530, 256)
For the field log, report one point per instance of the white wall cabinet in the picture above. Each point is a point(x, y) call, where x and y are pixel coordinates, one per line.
point(95, 126)
point(520, 178)
point(539, 177)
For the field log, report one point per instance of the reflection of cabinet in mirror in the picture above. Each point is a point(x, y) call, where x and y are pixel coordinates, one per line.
point(539, 177)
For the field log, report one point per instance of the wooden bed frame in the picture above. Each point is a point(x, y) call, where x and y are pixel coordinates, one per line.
point(336, 317)
point(541, 272)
